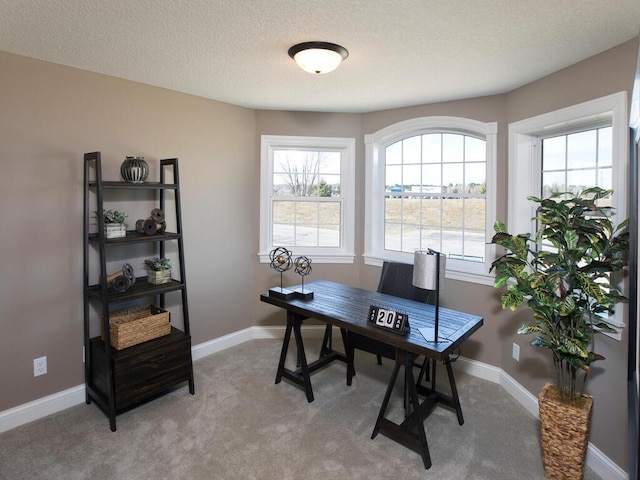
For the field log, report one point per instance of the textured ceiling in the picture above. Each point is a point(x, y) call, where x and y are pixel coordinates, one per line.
point(401, 52)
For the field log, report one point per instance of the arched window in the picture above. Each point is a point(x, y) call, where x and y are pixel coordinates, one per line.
point(431, 184)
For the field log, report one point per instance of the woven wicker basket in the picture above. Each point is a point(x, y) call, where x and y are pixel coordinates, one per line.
point(136, 325)
point(565, 433)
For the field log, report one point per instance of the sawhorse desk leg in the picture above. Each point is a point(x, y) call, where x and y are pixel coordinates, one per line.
point(301, 376)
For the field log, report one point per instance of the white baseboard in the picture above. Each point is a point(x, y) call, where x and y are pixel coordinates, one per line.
point(23, 414)
point(596, 460)
point(28, 412)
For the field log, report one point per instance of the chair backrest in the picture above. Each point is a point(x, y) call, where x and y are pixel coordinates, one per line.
point(397, 279)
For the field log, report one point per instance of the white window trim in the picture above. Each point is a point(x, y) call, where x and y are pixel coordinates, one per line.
point(525, 169)
point(374, 253)
point(343, 254)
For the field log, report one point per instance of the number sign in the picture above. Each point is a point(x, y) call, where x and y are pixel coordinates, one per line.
point(389, 320)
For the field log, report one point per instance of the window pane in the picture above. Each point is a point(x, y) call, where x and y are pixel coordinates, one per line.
point(393, 177)
point(475, 175)
point(330, 236)
point(411, 211)
point(329, 213)
point(328, 186)
point(282, 234)
point(283, 212)
point(452, 147)
point(432, 148)
point(452, 242)
point(452, 212)
point(605, 146)
point(452, 177)
point(392, 210)
point(474, 215)
point(432, 178)
point(411, 151)
point(604, 178)
point(581, 149)
point(431, 213)
point(475, 150)
point(552, 182)
point(393, 154)
point(554, 153)
point(410, 238)
point(306, 213)
point(578, 180)
point(392, 232)
point(296, 172)
point(330, 163)
point(411, 174)
point(306, 237)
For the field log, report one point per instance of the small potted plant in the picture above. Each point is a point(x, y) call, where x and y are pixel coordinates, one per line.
point(159, 270)
point(563, 275)
point(114, 223)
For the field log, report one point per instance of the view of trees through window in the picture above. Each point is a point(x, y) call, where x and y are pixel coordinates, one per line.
point(435, 195)
point(306, 201)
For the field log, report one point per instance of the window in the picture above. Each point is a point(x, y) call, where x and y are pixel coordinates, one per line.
point(307, 197)
point(569, 150)
point(571, 162)
point(430, 184)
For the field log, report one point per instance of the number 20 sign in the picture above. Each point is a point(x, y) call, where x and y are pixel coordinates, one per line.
point(388, 319)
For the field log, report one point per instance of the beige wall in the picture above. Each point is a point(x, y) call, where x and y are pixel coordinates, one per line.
point(53, 114)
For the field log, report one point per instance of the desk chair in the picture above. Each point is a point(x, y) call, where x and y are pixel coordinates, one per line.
point(395, 279)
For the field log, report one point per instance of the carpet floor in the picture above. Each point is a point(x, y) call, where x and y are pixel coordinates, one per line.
point(240, 425)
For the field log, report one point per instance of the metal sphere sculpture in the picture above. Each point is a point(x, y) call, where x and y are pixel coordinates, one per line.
point(303, 266)
point(280, 259)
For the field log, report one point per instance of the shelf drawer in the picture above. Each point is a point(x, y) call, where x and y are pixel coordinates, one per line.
point(143, 371)
point(151, 372)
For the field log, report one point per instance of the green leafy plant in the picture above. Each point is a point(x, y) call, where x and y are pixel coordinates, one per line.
point(112, 216)
point(564, 275)
point(158, 264)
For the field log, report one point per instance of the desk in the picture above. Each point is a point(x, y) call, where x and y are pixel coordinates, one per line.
point(347, 308)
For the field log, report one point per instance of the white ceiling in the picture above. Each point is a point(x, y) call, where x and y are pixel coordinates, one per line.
point(401, 52)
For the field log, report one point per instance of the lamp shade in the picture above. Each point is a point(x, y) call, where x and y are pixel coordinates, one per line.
point(425, 269)
point(318, 57)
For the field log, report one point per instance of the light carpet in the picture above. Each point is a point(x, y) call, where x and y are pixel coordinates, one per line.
point(240, 425)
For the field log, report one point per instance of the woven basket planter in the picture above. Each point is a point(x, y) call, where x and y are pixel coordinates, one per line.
point(565, 434)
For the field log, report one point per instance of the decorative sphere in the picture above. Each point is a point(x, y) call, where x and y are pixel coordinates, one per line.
point(280, 259)
point(303, 266)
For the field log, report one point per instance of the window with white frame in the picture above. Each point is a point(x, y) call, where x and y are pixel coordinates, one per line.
point(307, 197)
point(431, 184)
point(570, 150)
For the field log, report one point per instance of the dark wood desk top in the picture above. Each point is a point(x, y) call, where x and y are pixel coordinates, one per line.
point(348, 307)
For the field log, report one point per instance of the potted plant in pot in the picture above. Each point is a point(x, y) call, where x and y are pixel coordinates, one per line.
point(159, 270)
point(114, 223)
point(563, 275)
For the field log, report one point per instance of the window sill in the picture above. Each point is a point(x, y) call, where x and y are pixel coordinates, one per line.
point(477, 278)
point(316, 257)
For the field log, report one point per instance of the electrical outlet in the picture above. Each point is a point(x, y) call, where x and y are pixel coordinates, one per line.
point(516, 352)
point(39, 366)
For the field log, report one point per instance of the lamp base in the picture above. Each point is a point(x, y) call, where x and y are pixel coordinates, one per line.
point(303, 294)
point(281, 293)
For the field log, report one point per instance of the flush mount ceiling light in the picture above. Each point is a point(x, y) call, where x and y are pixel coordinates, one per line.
point(318, 57)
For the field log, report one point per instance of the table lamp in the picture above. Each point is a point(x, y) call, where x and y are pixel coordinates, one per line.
point(428, 270)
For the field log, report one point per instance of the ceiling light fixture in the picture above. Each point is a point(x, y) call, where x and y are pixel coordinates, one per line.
point(318, 57)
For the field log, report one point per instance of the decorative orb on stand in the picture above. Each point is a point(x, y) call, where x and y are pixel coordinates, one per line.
point(280, 261)
point(303, 268)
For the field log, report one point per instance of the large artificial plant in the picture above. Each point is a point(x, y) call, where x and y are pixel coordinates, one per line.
point(564, 274)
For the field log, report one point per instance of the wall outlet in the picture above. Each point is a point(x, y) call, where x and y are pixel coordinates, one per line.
point(516, 352)
point(39, 366)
